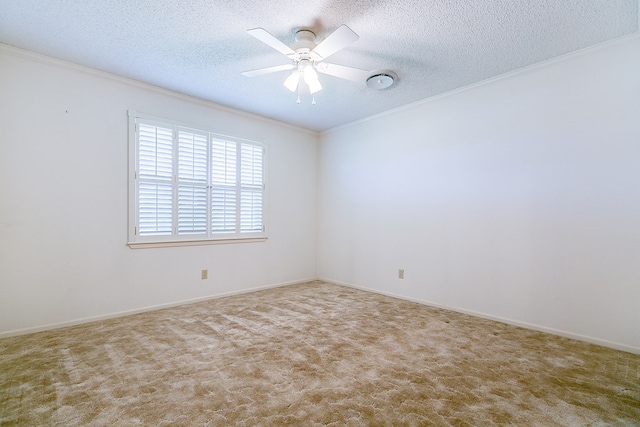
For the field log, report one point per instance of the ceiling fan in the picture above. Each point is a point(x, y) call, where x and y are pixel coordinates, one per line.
point(307, 58)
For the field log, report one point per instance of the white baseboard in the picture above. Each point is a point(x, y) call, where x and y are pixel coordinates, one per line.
point(565, 334)
point(84, 320)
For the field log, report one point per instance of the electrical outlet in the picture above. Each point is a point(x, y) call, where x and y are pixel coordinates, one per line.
point(205, 274)
point(401, 273)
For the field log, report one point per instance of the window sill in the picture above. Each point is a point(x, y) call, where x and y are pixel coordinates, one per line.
point(144, 245)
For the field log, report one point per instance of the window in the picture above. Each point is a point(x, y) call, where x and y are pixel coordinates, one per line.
point(190, 186)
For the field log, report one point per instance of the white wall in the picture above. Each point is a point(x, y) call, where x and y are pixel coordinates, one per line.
point(518, 199)
point(63, 200)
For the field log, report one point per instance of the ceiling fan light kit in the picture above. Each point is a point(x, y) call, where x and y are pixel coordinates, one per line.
point(308, 60)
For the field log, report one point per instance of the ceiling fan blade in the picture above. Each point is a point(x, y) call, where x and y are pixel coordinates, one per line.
point(348, 73)
point(267, 38)
point(339, 39)
point(268, 70)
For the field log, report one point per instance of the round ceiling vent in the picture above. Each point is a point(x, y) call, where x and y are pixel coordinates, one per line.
point(381, 79)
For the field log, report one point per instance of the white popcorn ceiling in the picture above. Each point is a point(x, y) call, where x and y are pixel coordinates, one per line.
point(199, 47)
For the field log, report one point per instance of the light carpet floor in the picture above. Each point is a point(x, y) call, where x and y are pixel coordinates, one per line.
point(309, 355)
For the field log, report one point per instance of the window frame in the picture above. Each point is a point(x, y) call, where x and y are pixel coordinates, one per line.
point(135, 241)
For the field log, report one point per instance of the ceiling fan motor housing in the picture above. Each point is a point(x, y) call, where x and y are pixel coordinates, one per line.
point(305, 39)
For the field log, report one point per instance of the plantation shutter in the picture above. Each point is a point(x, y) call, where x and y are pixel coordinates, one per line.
point(192, 182)
point(189, 186)
point(224, 191)
point(251, 187)
point(155, 172)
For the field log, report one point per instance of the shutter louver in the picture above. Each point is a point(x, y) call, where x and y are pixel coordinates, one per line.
point(155, 170)
point(192, 179)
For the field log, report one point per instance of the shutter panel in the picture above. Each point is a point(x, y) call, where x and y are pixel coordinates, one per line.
point(155, 212)
point(192, 179)
point(223, 210)
point(155, 171)
point(223, 162)
point(250, 211)
point(251, 193)
point(192, 209)
point(192, 157)
point(224, 192)
point(251, 165)
point(155, 152)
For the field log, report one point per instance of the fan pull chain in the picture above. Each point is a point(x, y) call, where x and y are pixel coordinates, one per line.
point(313, 100)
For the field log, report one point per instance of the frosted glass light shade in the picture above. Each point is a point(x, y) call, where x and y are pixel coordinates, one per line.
point(292, 81)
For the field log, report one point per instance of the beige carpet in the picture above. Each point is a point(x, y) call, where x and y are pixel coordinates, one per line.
point(312, 354)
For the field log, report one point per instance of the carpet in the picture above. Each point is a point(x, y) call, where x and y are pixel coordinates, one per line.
point(313, 354)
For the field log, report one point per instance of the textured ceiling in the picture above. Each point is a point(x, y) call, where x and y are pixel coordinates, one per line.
point(199, 47)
